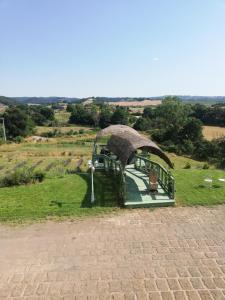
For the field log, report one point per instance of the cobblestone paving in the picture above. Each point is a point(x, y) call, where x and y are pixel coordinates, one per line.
point(167, 253)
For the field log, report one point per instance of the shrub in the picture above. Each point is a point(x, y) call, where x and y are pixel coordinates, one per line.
point(221, 163)
point(187, 166)
point(19, 139)
point(170, 148)
point(39, 176)
point(70, 132)
point(205, 166)
point(21, 177)
point(54, 133)
point(142, 124)
point(81, 131)
point(50, 166)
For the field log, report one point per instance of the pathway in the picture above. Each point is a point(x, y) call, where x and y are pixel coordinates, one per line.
point(165, 253)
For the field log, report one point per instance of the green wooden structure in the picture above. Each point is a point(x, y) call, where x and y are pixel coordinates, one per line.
point(132, 174)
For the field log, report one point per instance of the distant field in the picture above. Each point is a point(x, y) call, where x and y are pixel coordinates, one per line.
point(2, 108)
point(137, 103)
point(213, 132)
point(44, 129)
point(62, 117)
point(55, 157)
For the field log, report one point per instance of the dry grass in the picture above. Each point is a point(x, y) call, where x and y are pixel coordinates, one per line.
point(2, 108)
point(57, 150)
point(62, 116)
point(64, 129)
point(137, 103)
point(213, 132)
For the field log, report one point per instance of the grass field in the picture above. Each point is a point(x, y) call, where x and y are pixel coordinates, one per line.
point(68, 196)
point(190, 185)
point(61, 194)
point(213, 132)
point(62, 117)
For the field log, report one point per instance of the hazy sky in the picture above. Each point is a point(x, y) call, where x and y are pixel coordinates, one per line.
point(112, 47)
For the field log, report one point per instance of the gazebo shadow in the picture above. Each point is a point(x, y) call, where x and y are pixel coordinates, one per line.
point(105, 190)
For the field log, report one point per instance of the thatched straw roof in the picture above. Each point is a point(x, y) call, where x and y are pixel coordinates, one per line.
point(125, 141)
point(116, 129)
point(125, 146)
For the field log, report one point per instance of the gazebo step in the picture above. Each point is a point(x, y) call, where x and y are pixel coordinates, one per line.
point(149, 203)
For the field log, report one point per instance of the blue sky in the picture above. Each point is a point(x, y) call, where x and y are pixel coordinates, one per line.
point(112, 47)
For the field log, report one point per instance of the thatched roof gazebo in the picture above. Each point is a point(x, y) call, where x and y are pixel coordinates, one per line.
point(126, 145)
point(115, 129)
point(125, 141)
point(140, 182)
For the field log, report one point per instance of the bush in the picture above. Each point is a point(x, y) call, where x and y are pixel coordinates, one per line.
point(21, 177)
point(70, 132)
point(81, 131)
point(142, 124)
point(221, 163)
point(39, 176)
point(204, 150)
point(205, 167)
point(19, 139)
point(187, 166)
point(51, 134)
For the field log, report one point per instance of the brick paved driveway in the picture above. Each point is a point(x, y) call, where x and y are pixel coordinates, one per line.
point(168, 253)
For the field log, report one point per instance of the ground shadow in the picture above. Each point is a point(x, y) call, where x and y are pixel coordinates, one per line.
point(105, 187)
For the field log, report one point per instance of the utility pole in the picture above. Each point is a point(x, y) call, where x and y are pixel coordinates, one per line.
point(3, 126)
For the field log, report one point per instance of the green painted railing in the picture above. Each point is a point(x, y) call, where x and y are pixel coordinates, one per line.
point(110, 164)
point(165, 179)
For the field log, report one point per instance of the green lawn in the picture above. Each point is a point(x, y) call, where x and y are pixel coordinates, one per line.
point(57, 197)
point(190, 185)
point(191, 189)
point(69, 196)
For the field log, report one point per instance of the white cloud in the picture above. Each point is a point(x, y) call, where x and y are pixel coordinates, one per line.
point(155, 59)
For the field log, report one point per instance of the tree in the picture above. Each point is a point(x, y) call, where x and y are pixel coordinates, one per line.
point(142, 124)
point(120, 116)
point(214, 115)
point(105, 116)
point(17, 122)
point(41, 115)
point(172, 114)
point(70, 107)
point(192, 130)
point(149, 112)
point(84, 115)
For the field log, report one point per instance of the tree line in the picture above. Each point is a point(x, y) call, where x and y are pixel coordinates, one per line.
point(176, 126)
point(99, 115)
point(20, 120)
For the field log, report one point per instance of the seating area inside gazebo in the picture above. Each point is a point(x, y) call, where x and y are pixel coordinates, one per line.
point(125, 154)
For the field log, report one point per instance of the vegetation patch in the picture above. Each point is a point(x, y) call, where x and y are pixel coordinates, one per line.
point(21, 177)
point(56, 198)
